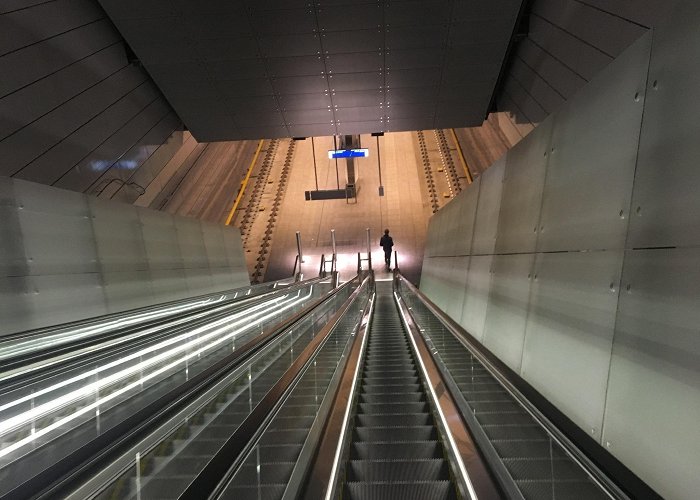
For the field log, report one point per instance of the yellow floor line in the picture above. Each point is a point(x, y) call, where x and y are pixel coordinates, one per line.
point(244, 183)
point(461, 156)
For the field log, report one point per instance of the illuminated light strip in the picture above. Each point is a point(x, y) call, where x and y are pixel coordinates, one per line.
point(31, 345)
point(138, 354)
point(457, 454)
point(93, 388)
point(344, 427)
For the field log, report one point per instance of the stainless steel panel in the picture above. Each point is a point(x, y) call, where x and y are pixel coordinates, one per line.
point(448, 229)
point(466, 216)
point(160, 240)
point(569, 332)
point(233, 245)
point(214, 245)
point(168, 284)
point(486, 223)
point(432, 237)
point(13, 259)
point(665, 204)
point(435, 280)
point(225, 279)
point(476, 296)
point(653, 395)
point(199, 281)
point(191, 243)
point(456, 286)
point(355, 62)
point(523, 182)
point(118, 236)
point(126, 290)
point(592, 158)
point(295, 66)
point(16, 307)
point(504, 329)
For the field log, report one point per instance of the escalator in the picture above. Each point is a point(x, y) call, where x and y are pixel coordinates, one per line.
point(395, 451)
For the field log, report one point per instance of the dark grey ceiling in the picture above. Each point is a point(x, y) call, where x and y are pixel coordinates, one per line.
point(286, 68)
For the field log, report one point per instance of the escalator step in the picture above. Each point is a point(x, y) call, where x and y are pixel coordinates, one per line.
point(389, 389)
point(399, 434)
point(433, 490)
point(434, 469)
point(388, 420)
point(389, 408)
point(262, 492)
point(393, 397)
point(490, 418)
point(396, 451)
point(265, 473)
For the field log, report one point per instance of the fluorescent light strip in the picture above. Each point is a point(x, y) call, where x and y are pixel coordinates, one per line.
point(90, 389)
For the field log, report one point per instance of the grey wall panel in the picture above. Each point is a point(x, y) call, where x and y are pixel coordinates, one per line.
point(29, 26)
point(191, 242)
point(214, 245)
point(432, 236)
point(528, 107)
point(666, 206)
point(477, 295)
point(565, 319)
point(523, 182)
point(199, 281)
point(540, 90)
point(439, 283)
point(126, 290)
point(36, 61)
point(77, 146)
point(466, 216)
point(456, 284)
point(654, 390)
point(504, 329)
point(486, 224)
point(592, 147)
point(162, 249)
point(118, 236)
point(109, 152)
point(30, 103)
point(226, 279)
point(13, 261)
point(169, 284)
point(233, 245)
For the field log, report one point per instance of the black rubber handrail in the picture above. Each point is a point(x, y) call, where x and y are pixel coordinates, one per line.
point(584, 446)
point(57, 480)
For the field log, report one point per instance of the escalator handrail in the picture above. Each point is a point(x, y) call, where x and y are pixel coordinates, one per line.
point(67, 472)
point(598, 462)
point(92, 343)
point(213, 478)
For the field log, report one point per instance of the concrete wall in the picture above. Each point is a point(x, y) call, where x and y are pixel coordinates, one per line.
point(576, 257)
point(74, 113)
point(569, 42)
point(66, 256)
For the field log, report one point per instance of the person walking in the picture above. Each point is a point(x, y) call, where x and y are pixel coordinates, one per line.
point(386, 242)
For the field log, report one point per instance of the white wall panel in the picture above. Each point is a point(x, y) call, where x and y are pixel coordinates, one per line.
point(477, 294)
point(486, 224)
point(504, 329)
point(593, 147)
point(572, 310)
point(653, 399)
point(523, 182)
point(666, 205)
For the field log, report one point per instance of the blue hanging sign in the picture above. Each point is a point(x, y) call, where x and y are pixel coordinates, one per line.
point(348, 153)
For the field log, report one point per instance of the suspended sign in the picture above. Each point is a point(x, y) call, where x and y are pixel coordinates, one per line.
point(348, 153)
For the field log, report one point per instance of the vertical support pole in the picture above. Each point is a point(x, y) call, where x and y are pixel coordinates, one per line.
point(313, 153)
point(301, 255)
point(333, 240)
point(335, 147)
point(379, 164)
point(369, 251)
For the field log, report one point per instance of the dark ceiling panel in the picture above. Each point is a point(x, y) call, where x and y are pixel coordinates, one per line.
point(273, 68)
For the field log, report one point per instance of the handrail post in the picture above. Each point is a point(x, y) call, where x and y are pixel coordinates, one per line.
point(301, 255)
point(369, 252)
point(333, 241)
point(322, 269)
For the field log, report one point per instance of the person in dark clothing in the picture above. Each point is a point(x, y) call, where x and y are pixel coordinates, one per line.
point(386, 242)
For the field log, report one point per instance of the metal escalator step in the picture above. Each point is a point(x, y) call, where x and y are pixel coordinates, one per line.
point(284, 436)
point(389, 389)
point(298, 410)
point(395, 433)
point(388, 408)
point(388, 420)
point(433, 490)
point(541, 448)
point(491, 418)
point(287, 422)
point(394, 397)
point(434, 469)
point(264, 473)
point(495, 406)
point(230, 419)
point(577, 489)
point(396, 451)
point(279, 453)
point(557, 469)
point(525, 432)
point(261, 492)
point(389, 380)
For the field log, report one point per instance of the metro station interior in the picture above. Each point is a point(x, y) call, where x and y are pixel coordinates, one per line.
point(194, 299)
